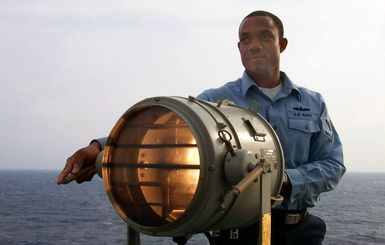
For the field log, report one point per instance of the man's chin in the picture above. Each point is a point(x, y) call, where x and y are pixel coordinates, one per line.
point(257, 64)
point(258, 69)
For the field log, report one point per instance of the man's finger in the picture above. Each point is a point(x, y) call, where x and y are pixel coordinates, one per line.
point(76, 167)
point(66, 171)
point(86, 174)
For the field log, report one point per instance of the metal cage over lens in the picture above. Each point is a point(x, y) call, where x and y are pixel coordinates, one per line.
point(174, 166)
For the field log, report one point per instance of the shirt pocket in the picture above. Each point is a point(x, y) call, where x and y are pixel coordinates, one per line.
point(306, 126)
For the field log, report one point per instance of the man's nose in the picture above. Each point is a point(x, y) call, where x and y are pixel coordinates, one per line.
point(255, 45)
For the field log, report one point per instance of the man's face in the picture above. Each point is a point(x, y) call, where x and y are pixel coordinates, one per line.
point(260, 46)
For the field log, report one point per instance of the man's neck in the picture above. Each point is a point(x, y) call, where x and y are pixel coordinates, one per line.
point(266, 80)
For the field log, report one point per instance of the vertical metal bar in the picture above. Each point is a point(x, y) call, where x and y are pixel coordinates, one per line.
point(133, 237)
point(264, 237)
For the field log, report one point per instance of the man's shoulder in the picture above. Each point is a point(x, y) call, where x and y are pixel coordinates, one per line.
point(304, 92)
point(310, 96)
point(226, 91)
point(308, 92)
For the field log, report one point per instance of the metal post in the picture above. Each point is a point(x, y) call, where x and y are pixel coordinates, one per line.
point(133, 237)
point(264, 237)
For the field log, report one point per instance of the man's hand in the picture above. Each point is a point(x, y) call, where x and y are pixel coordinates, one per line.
point(286, 186)
point(80, 159)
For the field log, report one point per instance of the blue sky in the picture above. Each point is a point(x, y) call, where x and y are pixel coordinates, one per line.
point(69, 69)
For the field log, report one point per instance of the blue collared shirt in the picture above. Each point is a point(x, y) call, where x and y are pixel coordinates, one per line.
point(311, 145)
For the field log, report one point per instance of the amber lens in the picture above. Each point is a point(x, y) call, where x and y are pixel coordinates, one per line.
point(153, 166)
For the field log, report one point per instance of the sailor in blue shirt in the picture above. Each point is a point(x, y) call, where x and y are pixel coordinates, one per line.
point(312, 148)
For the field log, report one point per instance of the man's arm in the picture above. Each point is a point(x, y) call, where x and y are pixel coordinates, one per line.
point(80, 159)
point(324, 169)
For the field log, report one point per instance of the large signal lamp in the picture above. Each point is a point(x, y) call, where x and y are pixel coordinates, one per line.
point(174, 166)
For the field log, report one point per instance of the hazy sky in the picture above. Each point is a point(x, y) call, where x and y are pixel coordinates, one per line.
point(69, 69)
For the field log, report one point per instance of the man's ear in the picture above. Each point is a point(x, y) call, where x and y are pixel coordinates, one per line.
point(239, 44)
point(282, 44)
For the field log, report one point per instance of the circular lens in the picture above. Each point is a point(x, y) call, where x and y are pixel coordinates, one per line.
point(153, 166)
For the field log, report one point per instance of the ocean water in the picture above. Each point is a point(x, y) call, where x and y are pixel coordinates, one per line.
point(34, 210)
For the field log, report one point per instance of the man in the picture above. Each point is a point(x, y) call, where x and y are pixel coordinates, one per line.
point(312, 148)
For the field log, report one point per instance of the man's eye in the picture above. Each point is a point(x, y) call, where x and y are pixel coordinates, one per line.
point(266, 36)
point(245, 40)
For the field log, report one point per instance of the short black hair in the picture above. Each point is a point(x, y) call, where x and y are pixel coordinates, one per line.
point(276, 20)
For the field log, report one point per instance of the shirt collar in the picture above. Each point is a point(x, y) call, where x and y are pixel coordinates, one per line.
point(288, 86)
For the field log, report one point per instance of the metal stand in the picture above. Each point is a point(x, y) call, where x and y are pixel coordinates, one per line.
point(182, 240)
point(262, 170)
point(133, 237)
point(264, 237)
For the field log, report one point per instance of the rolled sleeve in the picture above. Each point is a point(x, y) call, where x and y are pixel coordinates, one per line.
point(102, 142)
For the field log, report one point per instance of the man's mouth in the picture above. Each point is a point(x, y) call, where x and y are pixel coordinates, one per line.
point(256, 57)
